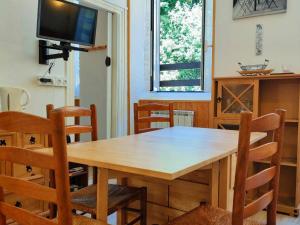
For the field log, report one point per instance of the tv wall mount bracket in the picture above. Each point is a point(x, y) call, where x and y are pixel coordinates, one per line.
point(65, 47)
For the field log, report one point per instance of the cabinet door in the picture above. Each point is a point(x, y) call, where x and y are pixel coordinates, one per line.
point(226, 124)
point(235, 96)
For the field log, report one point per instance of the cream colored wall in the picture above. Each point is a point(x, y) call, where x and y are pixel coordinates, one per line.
point(235, 39)
point(19, 55)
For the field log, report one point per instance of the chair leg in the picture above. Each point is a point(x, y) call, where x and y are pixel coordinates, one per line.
point(52, 206)
point(143, 206)
point(124, 217)
point(93, 215)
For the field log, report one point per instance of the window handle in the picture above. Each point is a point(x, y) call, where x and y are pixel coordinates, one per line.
point(207, 46)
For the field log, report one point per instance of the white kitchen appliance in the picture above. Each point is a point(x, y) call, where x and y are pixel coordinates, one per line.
point(13, 99)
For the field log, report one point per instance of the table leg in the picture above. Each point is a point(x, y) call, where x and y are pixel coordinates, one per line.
point(102, 194)
point(224, 183)
point(214, 184)
point(121, 214)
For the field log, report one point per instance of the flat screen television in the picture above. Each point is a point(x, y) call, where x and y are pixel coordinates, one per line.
point(66, 22)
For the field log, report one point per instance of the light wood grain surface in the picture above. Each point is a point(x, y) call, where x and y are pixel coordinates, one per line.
point(166, 154)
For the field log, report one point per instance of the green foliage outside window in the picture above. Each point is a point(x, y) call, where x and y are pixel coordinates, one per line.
point(181, 38)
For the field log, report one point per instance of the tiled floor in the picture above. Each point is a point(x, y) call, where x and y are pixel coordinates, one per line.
point(281, 219)
point(261, 217)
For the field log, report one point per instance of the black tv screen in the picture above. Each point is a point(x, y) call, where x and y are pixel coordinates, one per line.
point(68, 22)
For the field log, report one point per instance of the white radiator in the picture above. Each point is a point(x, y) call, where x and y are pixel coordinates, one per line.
point(181, 118)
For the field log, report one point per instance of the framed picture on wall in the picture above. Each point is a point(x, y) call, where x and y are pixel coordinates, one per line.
point(251, 8)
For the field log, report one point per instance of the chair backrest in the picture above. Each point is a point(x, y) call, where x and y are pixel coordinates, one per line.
point(147, 118)
point(25, 123)
point(77, 112)
point(272, 123)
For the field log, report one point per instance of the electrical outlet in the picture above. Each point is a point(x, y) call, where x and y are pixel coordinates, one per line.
point(52, 81)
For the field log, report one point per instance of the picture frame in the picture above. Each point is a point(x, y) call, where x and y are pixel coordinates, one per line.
point(251, 8)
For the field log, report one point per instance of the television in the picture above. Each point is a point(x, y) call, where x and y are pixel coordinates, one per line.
point(64, 21)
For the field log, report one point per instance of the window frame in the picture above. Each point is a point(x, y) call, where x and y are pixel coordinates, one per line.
point(156, 67)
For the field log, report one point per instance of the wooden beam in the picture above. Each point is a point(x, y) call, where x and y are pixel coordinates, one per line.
point(97, 48)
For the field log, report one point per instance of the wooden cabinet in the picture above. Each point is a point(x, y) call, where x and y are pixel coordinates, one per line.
point(226, 124)
point(27, 172)
point(262, 95)
point(236, 96)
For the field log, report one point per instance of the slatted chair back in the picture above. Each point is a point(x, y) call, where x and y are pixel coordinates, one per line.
point(271, 123)
point(77, 112)
point(143, 116)
point(25, 123)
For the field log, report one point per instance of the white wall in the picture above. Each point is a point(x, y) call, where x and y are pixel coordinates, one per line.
point(122, 3)
point(19, 54)
point(140, 82)
point(235, 39)
point(118, 3)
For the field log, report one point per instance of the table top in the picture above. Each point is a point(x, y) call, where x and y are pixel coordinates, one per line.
point(166, 154)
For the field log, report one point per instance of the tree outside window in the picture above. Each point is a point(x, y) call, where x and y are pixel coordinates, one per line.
point(180, 45)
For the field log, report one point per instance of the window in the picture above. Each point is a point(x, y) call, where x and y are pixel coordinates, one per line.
point(178, 33)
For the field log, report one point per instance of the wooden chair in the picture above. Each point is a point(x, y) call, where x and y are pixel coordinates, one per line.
point(204, 215)
point(25, 123)
point(147, 119)
point(120, 196)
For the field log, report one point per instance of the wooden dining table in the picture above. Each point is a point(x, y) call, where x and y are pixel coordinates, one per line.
point(168, 158)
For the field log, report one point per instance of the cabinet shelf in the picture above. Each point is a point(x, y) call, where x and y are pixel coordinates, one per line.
point(287, 201)
point(291, 162)
point(287, 205)
point(291, 121)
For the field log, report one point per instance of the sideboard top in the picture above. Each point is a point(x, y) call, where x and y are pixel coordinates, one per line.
point(263, 77)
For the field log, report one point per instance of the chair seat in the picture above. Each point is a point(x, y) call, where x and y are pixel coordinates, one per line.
point(118, 197)
point(77, 220)
point(80, 220)
point(207, 215)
